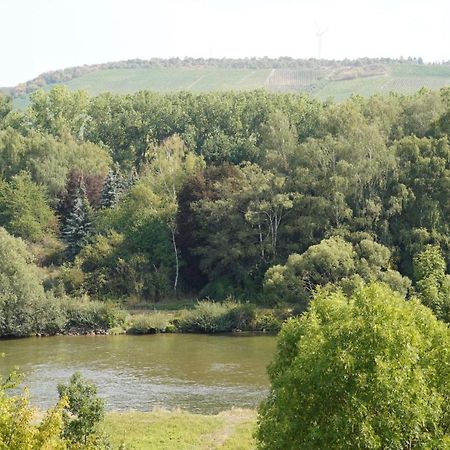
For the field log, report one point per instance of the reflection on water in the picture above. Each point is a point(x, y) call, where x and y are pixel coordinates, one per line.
point(195, 372)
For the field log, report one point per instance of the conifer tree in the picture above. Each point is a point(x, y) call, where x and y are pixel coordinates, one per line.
point(110, 193)
point(114, 186)
point(78, 223)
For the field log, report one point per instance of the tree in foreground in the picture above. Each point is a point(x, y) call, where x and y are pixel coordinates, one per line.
point(82, 414)
point(18, 428)
point(371, 371)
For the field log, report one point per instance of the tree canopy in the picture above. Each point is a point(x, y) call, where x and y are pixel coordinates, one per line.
point(366, 371)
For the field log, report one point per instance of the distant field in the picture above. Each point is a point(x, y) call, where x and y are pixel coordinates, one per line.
point(402, 78)
point(167, 80)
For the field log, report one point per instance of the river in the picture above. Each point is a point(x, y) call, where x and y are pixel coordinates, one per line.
point(198, 373)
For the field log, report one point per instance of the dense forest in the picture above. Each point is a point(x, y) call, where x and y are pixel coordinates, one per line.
point(259, 196)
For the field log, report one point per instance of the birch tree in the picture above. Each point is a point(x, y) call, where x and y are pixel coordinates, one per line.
point(170, 165)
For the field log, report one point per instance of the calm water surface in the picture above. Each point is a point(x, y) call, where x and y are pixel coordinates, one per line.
point(198, 373)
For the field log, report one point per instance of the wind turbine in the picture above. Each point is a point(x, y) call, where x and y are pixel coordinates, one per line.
point(319, 35)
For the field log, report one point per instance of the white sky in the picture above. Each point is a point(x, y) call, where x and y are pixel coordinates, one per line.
point(41, 35)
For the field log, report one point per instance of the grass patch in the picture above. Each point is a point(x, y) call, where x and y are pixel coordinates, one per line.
point(160, 429)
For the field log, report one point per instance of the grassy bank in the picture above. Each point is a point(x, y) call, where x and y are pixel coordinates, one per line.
point(208, 317)
point(83, 316)
point(162, 430)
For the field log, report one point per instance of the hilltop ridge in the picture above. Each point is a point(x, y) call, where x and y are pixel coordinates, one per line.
point(319, 78)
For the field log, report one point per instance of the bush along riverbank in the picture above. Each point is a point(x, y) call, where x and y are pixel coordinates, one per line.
point(70, 316)
point(52, 316)
point(209, 317)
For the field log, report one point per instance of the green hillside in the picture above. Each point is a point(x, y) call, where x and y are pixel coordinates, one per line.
point(168, 79)
point(322, 80)
point(399, 78)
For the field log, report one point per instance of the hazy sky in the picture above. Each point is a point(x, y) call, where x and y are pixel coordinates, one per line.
point(42, 35)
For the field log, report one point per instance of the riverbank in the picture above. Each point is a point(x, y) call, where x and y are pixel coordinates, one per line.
point(181, 430)
point(73, 317)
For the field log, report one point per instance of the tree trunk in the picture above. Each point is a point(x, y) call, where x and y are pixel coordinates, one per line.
point(177, 264)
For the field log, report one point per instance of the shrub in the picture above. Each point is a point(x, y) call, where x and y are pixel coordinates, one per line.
point(268, 322)
point(71, 278)
point(18, 430)
point(367, 371)
point(83, 412)
point(206, 317)
point(92, 316)
point(150, 323)
point(241, 316)
point(211, 317)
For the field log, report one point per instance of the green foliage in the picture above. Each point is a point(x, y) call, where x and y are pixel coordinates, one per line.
point(279, 140)
point(72, 424)
point(268, 322)
point(424, 182)
point(245, 212)
point(212, 317)
point(133, 255)
point(333, 261)
point(12, 152)
point(59, 111)
point(91, 316)
point(369, 371)
point(83, 413)
point(23, 303)
point(25, 309)
point(6, 106)
point(170, 165)
point(51, 161)
point(18, 429)
point(242, 316)
point(206, 317)
point(151, 323)
point(24, 210)
point(432, 281)
point(231, 186)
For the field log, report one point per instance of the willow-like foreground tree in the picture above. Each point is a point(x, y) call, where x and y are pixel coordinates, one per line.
point(371, 371)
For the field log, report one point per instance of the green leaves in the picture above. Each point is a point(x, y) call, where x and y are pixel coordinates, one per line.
point(334, 262)
point(369, 371)
point(24, 210)
point(83, 411)
point(432, 281)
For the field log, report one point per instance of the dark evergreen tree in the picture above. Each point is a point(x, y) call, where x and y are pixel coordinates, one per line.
point(110, 193)
point(114, 186)
point(78, 223)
